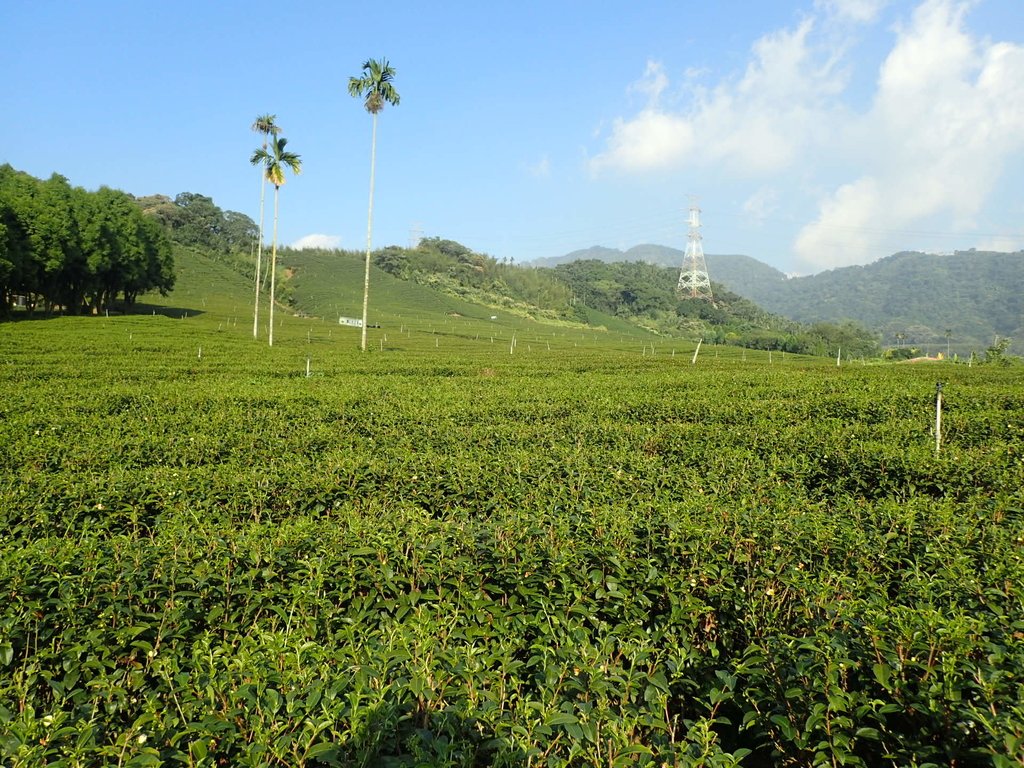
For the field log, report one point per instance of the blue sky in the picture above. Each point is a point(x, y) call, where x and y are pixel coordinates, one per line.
point(815, 133)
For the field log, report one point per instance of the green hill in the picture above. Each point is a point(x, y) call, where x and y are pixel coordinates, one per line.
point(974, 295)
point(743, 275)
point(329, 283)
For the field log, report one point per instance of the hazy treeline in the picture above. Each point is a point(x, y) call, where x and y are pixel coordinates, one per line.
point(65, 248)
point(647, 293)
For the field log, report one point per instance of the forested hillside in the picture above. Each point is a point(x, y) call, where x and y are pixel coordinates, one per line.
point(640, 293)
point(647, 293)
point(968, 298)
point(974, 295)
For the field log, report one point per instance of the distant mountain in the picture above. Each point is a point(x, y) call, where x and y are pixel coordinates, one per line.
point(975, 295)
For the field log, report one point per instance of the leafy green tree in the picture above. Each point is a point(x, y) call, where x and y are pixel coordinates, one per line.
point(67, 248)
point(996, 353)
point(15, 247)
point(376, 89)
point(162, 209)
point(275, 162)
point(266, 126)
point(200, 221)
point(239, 232)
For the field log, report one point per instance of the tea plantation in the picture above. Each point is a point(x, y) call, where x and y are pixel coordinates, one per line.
point(574, 549)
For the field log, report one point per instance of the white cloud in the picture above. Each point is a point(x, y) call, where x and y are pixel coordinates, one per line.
point(945, 119)
point(317, 241)
point(541, 169)
point(861, 11)
point(754, 125)
point(1002, 243)
point(652, 84)
point(651, 140)
point(761, 205)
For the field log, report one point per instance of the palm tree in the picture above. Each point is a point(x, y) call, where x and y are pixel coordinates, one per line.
point(265, 125)
point(275, 162)
point(376, 89)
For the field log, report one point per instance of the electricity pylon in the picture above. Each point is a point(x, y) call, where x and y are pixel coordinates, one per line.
point(693, 277)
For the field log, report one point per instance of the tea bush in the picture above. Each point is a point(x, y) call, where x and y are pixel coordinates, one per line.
point(467, 557)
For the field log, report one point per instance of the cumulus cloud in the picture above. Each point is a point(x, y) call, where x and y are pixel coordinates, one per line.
point(945, 119)
point(317, 241)
point(753, 125)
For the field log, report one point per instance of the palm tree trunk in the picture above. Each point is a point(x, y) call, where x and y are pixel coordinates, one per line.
point(273, 270)
point(259, 258)
point(369, 234)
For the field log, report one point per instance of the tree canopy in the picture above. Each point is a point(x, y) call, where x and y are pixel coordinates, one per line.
point(62, 247)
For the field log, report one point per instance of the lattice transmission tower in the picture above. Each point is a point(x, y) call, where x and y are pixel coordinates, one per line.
point(415, 235)
point(693, 277)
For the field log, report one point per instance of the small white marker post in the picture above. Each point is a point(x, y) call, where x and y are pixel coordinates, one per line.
point(696, 352)
point(839, 356)
point(200, 353)
point(938, 417)
point(307, 366)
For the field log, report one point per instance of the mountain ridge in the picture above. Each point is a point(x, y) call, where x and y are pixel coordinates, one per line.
point(964, 300)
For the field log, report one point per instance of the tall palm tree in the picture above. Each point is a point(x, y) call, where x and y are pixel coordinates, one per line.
point(264, 125)
point(376, 89)
point(275, 163)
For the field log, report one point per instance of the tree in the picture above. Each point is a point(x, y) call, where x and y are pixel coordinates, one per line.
point(376, 89)
point(199, 221)
point(265, 126)
point(275, 163)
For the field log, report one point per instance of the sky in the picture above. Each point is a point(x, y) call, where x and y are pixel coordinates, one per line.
point(812, 134)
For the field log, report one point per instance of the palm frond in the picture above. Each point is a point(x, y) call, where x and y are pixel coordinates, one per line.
point(375, 86)
point(275, 175)
point(266, 125)
point(293, 161)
